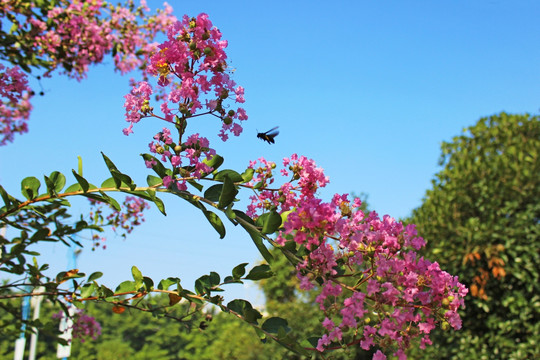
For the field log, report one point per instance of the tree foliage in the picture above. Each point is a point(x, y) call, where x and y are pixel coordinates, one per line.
point(482, 217)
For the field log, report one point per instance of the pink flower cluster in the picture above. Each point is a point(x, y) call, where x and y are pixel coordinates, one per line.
point(84, 326)
point(14, 103)
point(73, 35)
point(398, 293)
point(192, 74)
point(302, 170)
point(186, 159)
point(122, 221)
point(79, 33)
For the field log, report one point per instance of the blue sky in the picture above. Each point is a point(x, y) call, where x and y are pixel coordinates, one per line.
point(367, 89)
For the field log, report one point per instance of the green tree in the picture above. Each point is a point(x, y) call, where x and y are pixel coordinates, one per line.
point(482, 219)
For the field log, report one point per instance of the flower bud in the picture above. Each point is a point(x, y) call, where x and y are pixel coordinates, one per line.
point(178, 149)
point(160, 150)
point(208, 51)
point(227, 120)
point(206, 35)
point(185, 37)
point(231, 113)
point(192, 45)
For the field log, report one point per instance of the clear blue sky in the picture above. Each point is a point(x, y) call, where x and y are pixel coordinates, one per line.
point(368, 89)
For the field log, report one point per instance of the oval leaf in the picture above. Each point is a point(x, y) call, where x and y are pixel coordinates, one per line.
point(30, 187)
point(260, 272)
point(228, 193)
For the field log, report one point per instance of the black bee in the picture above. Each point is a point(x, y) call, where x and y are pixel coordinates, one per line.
point(269, 135)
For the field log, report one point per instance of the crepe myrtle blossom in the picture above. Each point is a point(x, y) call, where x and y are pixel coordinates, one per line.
point(400, 294)
point(79, 33)
point(70, 36)
point(84, 326)
point(15, 106)
point(192, 79)
point(122, 221)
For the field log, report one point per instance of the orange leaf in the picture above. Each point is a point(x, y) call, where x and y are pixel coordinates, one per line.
point(117, 309)
point(174, 299)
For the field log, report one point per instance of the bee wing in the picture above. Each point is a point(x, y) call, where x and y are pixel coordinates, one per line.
point(272, 132)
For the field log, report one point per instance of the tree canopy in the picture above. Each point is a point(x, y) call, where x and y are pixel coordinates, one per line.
point(482, 219)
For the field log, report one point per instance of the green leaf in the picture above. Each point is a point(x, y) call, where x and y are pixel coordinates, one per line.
point(270, 222)
point(105, 199)
point(231, 215)
point(118, 176)
point(105, 291)
point(214, 278)
point(213, 192)
point(5, 196)
point(30, 187)
point(311, 342)
point(247, 175)
point(202, 285)
point(258, 185)
point(148, 283)
point(284, 215)
point(215, 162)
point(245, 309)
point(159, 203)
point(40, 234)
point(165, 284)
point(87, 290)
point(195, 184)
point(73, 188)
point(260, 272)
point(80, 167)
point(257, 240)
point(50, 186)
point(228, 193)
point(55, 183)
point(273, 324)
point(82, 181)
point(109, 183)
point(95, 276)
point(239, 270)
point(137, 276)
point(59, 180)
point(152, 180)
point(126, 286)
point(216, 223)
point(231, 174)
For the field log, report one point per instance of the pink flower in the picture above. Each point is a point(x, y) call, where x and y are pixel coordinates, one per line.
point(379, 355)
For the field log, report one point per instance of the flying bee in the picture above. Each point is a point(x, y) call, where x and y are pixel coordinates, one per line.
point(269, 135)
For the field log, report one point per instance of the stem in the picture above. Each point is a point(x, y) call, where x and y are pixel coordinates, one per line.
point(74, 193)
